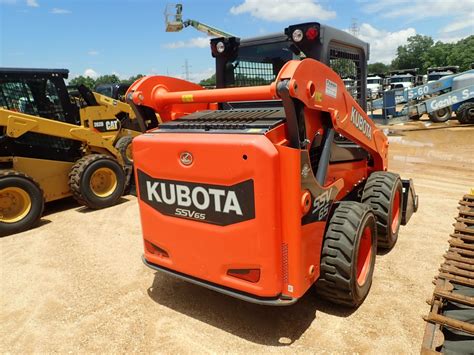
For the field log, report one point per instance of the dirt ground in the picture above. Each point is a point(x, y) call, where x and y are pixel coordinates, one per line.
point(77, 283)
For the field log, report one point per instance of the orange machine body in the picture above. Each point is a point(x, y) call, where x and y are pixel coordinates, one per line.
point(240, 211)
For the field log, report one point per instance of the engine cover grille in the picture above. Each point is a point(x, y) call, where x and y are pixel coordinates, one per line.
point(257, 121)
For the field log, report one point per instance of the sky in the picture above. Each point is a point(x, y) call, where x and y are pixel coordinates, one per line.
point(127, 37)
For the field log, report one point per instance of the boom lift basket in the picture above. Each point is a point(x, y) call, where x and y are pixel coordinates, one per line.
point(174, 17)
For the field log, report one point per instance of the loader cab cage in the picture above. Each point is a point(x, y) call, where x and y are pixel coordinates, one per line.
point(38, 92)
point(257, 61)
point(42, 93)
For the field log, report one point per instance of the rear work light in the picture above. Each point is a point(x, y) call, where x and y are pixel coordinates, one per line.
point(220, 47)
point(297, 35)
point(304, 35)
point(251, 275)
point(312, 33)
point(224, 46)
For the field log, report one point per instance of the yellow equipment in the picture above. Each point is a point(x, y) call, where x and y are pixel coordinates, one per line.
point(54, 145)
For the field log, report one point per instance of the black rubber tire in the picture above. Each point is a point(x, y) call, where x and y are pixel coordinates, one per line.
point(339, 256)
point(441, 115)
point(379, 193)
point(465, 113)
point(81, 173)
point(12, 178)
point(122, 145)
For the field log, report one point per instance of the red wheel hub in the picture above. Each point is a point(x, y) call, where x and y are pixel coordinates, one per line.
point(364, 256)
point(396, 212)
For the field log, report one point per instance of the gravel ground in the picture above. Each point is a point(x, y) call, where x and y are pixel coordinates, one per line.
point(77, 284)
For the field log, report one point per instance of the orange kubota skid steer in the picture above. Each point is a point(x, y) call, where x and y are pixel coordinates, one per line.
point(260, 203)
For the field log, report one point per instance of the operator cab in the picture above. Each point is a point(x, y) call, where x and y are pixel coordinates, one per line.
point(437, 73)
point(402, 79)
point(374, 85)
point(257, 61)
point(43, 93)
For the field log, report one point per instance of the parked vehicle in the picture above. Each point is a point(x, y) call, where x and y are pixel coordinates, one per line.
point(275, 181)
point(374, 86)
point(436, 73)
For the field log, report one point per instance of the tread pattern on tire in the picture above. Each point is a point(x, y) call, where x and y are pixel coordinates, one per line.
point(434, 116)
point(122, 145)
point(461, 112)
point(77, 171)
point(339, 242)
point(11, 172)
point(377, 194)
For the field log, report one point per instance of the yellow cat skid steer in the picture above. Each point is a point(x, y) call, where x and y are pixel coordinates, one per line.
point(54, 144)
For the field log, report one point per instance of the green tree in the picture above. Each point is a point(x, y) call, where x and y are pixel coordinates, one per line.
point(346, 68)
point(437, 55)
point(411, 55)
point(462, 53)
point(133, 78)
point(245, 80)
point(378, 68)
point(209, 81)
point(107, 79)
point(422, 53)
point(83, 80)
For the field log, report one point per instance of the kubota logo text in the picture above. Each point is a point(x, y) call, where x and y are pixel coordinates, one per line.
point(198, 197)
point(214, 204)
point(361, 123)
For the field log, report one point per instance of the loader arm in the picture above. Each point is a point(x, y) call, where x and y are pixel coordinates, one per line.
point(103, 107)
point(114, 106)
point(308, 81)
point(321, 89)
point(17, 124)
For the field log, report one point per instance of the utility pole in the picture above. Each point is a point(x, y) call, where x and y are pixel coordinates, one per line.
point(354, 29)
point(186, 67)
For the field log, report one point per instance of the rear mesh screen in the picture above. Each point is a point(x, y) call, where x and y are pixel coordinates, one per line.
point(347, 63)
point(253, 74)
point(257, 64)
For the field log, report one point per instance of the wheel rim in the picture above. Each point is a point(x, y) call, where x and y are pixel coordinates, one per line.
point(396, 212)
point(364, 256)
point(103, 182)
point(15, 204)
point(470, 113)
point(442, 112)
